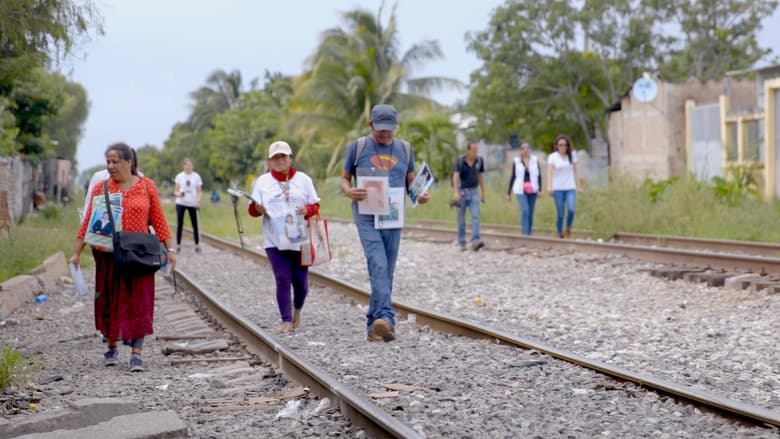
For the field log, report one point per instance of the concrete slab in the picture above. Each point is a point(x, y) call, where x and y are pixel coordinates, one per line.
point(741, 281)
point(50, 271)
point(148, 425)
point(16, 292)
point(81, 413)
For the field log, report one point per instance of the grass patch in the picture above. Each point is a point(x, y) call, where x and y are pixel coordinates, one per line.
point(41, 235)
point(14, 370)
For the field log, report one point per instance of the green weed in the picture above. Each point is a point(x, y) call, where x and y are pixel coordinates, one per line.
point(14, 371)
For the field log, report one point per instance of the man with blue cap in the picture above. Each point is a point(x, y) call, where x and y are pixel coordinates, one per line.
point(380, 155)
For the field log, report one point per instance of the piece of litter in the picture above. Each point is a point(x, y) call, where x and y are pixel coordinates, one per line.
point(401, 387)
point(290, 409)
point(200, 376)
point(316, 343)
point(381, 395)
point(162, 387)
point(321, 407)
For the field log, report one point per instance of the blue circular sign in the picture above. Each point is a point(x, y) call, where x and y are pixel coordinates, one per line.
point(645, 89)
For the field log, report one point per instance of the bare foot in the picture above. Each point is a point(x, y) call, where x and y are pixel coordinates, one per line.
point(285, 328)
point(296, 323)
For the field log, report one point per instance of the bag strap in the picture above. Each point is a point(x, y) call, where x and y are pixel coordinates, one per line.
point(108, 207)
point(361, 145)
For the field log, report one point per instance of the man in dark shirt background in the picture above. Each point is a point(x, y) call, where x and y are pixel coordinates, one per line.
point(469, 189)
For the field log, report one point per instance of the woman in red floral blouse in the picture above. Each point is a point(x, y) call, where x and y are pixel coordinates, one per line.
point(124, 305)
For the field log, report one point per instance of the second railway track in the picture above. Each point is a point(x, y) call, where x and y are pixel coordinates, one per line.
point(505, 375)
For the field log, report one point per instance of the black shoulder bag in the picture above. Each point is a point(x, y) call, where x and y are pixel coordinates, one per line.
point(135, 253)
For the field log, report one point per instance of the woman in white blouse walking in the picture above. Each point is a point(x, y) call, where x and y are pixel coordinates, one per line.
point(563, 182)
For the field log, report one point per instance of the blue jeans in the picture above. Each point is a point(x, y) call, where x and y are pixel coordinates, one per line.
point(469, 199)
point(527, 203)
point(381, 250)
point(569, 198)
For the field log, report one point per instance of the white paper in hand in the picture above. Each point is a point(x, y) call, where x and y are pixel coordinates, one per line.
point(78, 280)
point(240, 193)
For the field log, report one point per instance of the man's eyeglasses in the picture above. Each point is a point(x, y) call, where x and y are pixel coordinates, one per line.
point(525, 147)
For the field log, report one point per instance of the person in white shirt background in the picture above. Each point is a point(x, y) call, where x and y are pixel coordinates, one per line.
point(563, 182)
point(187, 190)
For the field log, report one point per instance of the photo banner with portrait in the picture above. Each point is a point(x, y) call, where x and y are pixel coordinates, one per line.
point(395, 219)
point(422, 181)
point(377, 187)
point(99, 226)
point(290, 227)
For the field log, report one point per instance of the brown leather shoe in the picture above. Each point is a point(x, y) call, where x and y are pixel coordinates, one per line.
point(381, 330)
point(568, 233)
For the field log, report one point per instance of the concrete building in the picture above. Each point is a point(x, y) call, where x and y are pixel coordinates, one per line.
point(648, 140)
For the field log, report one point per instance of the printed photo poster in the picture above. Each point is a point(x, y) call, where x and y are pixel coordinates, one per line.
point(395, 219)
point(99, 226)
point(291, 230)
point(422, 181)
point(377, 189)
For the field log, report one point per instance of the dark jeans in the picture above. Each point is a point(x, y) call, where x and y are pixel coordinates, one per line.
point(180, 222)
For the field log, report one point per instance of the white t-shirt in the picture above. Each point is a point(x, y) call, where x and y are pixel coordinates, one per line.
point(97, 177)
point(282, 227)
point(188, 186)
point(563, 172)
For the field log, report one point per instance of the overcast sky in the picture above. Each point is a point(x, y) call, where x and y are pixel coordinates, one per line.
point(154, 53)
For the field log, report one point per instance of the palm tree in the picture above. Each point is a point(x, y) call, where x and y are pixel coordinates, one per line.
point(221, 92)
point(355, 67)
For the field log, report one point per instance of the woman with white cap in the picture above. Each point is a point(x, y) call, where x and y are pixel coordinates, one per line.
point(279, 193)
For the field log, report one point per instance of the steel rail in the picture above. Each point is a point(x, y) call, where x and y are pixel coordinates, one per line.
point(451, 325)
point(754, 248)
point(767, 249)
point(506, 228)
point(360, 411)
point(722, 261)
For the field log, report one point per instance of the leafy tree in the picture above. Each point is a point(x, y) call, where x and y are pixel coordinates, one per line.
point(718, 36)
point(535, 76)
point(66, 126)
point(182, 142)
point(33, 102)
point(41, 114)
point(433, 137)
point(555, 66)
point(240, 136)
point(46, 112)
point(220, 93)
point(33, 32)
point(353, 68)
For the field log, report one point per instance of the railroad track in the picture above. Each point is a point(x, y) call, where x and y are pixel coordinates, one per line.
point(742, 257)
point(749, 248)
point(364, 413)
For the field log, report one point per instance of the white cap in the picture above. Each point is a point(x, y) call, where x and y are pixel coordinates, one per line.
point(279, 147)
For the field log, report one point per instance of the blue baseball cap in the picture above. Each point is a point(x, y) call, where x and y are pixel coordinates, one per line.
point(384, 117)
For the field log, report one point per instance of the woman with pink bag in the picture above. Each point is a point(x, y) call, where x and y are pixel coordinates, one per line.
point(525, 183)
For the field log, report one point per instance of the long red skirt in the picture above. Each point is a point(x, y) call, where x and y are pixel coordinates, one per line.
point(124, 306)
